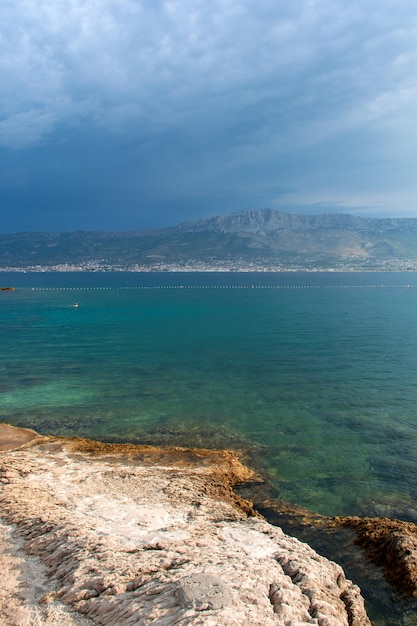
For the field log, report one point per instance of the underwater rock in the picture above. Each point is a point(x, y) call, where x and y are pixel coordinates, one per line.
point(391, 544)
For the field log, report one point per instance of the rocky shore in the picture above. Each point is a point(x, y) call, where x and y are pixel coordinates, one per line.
point(109, 534)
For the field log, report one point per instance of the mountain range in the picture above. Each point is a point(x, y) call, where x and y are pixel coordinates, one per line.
point(256, 239)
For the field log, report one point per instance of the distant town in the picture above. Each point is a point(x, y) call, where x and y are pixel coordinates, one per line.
point(389, 265)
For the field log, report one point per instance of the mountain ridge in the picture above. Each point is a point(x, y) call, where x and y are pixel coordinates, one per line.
point(262, 239)
point(244, 221)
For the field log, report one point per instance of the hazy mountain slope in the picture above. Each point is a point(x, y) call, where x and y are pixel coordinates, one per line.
point(263, 237)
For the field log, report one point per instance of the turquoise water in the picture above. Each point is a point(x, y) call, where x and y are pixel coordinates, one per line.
point(312, 375)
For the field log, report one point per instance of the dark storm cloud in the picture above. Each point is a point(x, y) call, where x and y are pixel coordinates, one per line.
point(126, 113)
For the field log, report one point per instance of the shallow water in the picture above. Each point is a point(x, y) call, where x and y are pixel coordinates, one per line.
point(314, 375)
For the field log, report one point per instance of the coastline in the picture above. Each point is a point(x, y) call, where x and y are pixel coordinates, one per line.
point(108, 534)
point(98, 533)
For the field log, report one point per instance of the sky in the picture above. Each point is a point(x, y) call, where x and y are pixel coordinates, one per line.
point(133, 114)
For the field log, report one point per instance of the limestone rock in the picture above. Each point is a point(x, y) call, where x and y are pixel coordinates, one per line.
point(135, 535)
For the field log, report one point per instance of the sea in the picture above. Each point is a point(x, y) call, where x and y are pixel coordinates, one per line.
point(310, 376)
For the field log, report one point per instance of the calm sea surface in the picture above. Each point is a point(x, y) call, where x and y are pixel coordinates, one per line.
point(313, 375)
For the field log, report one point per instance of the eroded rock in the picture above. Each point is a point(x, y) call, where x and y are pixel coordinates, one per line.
point(391, 544)
point(135, 535)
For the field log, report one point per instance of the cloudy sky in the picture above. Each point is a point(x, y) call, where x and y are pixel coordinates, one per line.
point(125, 114)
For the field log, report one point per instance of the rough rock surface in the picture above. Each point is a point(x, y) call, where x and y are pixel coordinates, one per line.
point(100, 534)
point(392, 544)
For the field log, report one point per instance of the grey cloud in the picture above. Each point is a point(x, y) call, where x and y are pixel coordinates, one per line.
point(210, 93)
point(188, 52)
point(25, 129)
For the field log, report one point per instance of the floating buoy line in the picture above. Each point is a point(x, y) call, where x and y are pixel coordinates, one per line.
point(152, 287)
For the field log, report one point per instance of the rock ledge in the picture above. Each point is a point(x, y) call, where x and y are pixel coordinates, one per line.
point(102, 534)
